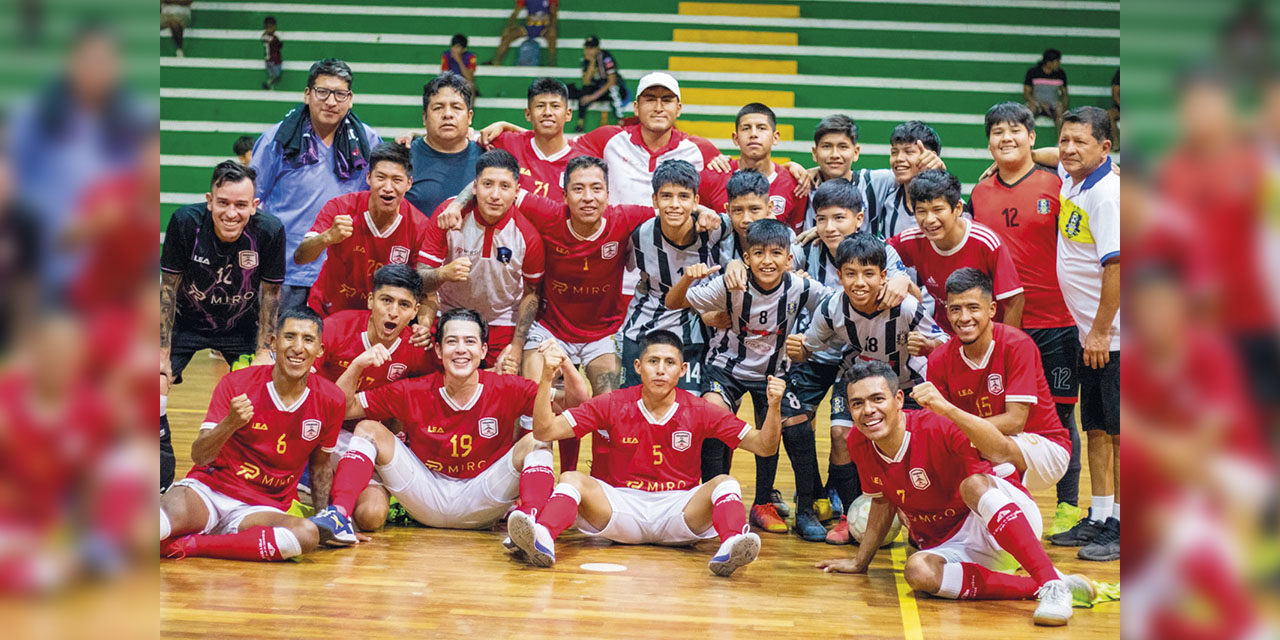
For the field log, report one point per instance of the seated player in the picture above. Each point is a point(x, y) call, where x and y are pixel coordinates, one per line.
point(755, 134)
point(969, 525)
point(491, 263)
point(461, 461)
point(359, 232)
point(853, 325)
point(652, 493)
point(347, 334)
point(264, 425)
point(743, 357)
point(993, 371)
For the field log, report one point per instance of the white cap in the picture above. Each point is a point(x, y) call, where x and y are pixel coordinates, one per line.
point(659, 79)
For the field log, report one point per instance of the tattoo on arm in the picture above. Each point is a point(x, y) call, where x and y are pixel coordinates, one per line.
point(269, 306)
point(321, 477)
point(432, 279)
point(525, 313)
point(169, 283)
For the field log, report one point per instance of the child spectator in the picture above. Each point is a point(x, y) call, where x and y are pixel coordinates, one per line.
point(271, 46)
point(460, 61)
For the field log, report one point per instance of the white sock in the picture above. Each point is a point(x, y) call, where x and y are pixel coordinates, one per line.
point(287, 543)
point(952, 581)
point(728, 487)
point(1100, 508)
point(566, 489)
point(164, 404)
point(165, 530)
point(1115, 511)
point(363, 445)
point(990, 503)
point(538, 458)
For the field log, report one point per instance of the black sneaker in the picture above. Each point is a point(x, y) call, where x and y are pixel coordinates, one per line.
point(775, 499)
point(1078, 536)
point(1105, 547)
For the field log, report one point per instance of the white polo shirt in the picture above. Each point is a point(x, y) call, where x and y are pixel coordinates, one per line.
point(1088, 236)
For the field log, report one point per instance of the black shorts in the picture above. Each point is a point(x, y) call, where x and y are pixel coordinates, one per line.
point(185, 344)
point(807, 383)
point(692, 379)
point(1260, 355)
point(1059, 356)
point(1100, 396)
point(731, 389)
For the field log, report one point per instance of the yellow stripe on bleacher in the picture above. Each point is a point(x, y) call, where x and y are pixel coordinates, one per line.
point(739, 9)
point(718, 130)
point(732, 65)
point(737, 97)
point(717, 36)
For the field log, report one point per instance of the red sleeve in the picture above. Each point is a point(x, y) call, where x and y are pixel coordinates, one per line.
point(1022, 364)
point(435, 243)
point(333, 421)
point(962, 449)
point(710, 185)
point(534, 258)
point(386, 402)
point(471, 61)
point(936, 372)
point(709, 151)
point(904, 250)
point(798, 212)
point(324, 219)
point(633, 215)
point(220, 404)
point(722, 425)
point(444, 62)
point(588, 416)
point(542, 212)
point(1004, 276)
point(866, 474)
point(592, 143)
point(520, 392)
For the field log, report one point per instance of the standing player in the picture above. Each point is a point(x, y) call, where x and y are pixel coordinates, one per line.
point(835, 149)
point(652, 494)
point(913, 149)
point(742, 358)
point(969, 525)
point(992, 371)
point(755, 133)
point(492, 263)
point(362, 231)
point(543, 152)
point(945, 241)
point(1020, 203)
point(444, 158)
point(264, 425)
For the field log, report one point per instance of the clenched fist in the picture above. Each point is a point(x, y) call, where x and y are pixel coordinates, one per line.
point(340, 230)
point(930, 398)
point(374, 356)
point(795, 348)
point(776, 389)
point(241, 411)
point(457, 271)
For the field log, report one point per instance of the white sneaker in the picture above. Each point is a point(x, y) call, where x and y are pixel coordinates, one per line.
point(738, 551)
point(532, 538)
point(511, 549)
point(1082, 589)
point(1055, 603)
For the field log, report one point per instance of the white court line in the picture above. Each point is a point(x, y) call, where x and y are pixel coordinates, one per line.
point(1078, 5)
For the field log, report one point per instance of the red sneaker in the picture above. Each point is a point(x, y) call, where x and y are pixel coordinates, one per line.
point(839, 534)
point(177, 547)
point(765, 516)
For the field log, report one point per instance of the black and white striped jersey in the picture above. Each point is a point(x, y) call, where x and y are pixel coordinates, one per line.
point(660, 263)
point(871, 201)
point(731, 247)
point(838, 326)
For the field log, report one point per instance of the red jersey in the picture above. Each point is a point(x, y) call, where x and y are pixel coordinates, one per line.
point(459, 441)
point(922, 479)
point(1025, 216)
point(262, 461)
point(1010, 372)
point(346, 278)
point(649, 453)
point(540, 174)
point(980, 248)
point(783, 203)
point(582, 300)
point(121, 259)
point(346, 336)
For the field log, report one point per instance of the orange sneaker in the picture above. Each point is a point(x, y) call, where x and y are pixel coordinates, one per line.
point(765, 516)
point(839, 534)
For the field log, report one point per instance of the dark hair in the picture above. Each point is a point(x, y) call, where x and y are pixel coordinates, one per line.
point(398, 275)
point(242, 145)
point(1050, 55)
point(661, 336)
point(498, 159)
point(966, 278)
point(934, 184)
point(863, 248)
point(747, 182)
point(269, 20)
point(448, 79)
point(543, 86)
point(392, 152)
point(301, 312)
point(911, 131)
point(577, 163)
point(231, 171)
point(467, 315)
point(1010, 113)
point(676, 172)
point(768, 232)
point(756, 107)
point(837, 193)
point(863, 369)
point(1095, 117)
point(836, 123)
point(329, 67)
point(591, 41)
point(459, 38)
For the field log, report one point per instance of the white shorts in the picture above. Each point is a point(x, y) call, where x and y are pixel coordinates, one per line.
point(646, 517)
point(339, 450)
point(444, 502)
point(973, 543)
point(1046, 461)
point(171, 14)
point(580, 353)
point(225, 513)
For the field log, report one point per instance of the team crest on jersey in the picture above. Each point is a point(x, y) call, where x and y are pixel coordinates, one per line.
point(503, 254)
point(1042, 206)
point(681, 440)
point(396, 370)
point(399, 255)
point(995, 383)
point(609, 251)
point(791, 308)
point(777, 204)
point(488, 427)
point(248, 259)
point(919, 479)
point(310, 429)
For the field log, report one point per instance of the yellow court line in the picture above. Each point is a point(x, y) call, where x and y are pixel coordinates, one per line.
point(739, 9)
point(732, 65)
point(718, 36)
point(719, 129)
point(167, 410)
point(906, 596)
point(738, 97)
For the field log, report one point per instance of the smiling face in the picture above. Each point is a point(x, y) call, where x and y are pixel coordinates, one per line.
point(1010, 143)
point(460, 348)
point(876, 410)
point(767, 264)
point(660, 367)
point(231, 203)
point(862, 283)
point(393, 308)
point(657, 108)
point(1080, 152)
point(970, 314)
point(548, 113)
point(447, 117)
point(904, 159)
point(388, 182)
point(495, 190)
point(937, 218)
point(835, 154)
point(755, 137)
point(297, 345)
point(835, 224)
point(329, 112)
point(675, 204)
point(587, 195)
point(745, 209)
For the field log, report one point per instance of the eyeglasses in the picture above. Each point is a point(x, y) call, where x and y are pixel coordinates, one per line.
point(323, 94)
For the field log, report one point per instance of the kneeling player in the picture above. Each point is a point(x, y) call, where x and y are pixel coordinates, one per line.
point(652, 495)
point(264, 425)
point(968, 524)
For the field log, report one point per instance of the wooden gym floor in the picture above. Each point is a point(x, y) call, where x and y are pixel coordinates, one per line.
point(459, 584)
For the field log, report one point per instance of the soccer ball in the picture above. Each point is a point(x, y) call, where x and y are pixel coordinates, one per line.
point(858, 513)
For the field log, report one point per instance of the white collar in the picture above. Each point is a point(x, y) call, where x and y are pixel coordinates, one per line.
point(604, 222)
point(275, 398)
point(902, 450)
point(551, 158)
point(986, 357)
point(364, 339)
point(373, 228)
point(658, 421)
point(959, 245)
point(470, 403)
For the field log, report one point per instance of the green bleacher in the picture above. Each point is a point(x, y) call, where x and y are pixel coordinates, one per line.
point(941, 61)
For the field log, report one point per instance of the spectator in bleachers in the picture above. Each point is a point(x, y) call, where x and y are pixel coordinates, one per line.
point(319, 151)
point(243, 149)
point(175, 15)
point(1114, 112)
point(540, 21)
point(444, 159)
point(458, 59)
point(271, 46)
point(1045, 87)
point(600, 82)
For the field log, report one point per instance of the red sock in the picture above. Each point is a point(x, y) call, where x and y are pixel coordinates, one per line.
point(727, 513)
point(537, 480)
point(561, 511)
point(981, 583)
point(256, 543)
point(1010, 528)
point(569, 454)
point(355, 469)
